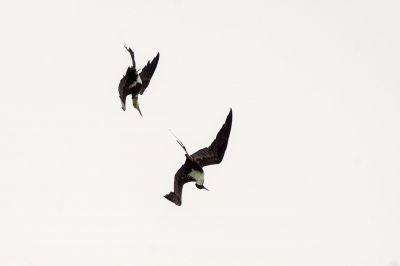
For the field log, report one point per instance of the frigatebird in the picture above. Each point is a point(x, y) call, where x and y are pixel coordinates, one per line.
point(135, 83)
point(192, 169)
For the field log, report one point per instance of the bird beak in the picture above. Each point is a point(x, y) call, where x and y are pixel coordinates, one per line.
point(136, 105)
point(206, 188)
point(140, 112)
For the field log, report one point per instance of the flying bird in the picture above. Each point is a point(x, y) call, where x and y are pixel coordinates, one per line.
point(135, 83)
point(192, 169)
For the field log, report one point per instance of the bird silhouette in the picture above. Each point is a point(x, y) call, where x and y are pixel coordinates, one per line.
point(135, 83)
point(192, 169)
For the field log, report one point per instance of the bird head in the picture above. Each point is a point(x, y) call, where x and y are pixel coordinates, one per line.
point(202, 187)
point(136, 104)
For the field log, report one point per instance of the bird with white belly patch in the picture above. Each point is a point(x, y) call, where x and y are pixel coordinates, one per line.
point(192, 169)
point(135, 83)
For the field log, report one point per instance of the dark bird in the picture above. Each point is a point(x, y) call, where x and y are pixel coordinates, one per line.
point(192, 169)
point(135, 83)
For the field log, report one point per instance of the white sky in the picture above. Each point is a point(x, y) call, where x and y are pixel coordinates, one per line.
point(311, 173)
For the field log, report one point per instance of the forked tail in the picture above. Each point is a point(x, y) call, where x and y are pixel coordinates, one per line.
point(173, 198)
point(179, 142)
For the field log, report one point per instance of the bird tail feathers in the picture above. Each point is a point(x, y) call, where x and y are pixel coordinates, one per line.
point(179, 142)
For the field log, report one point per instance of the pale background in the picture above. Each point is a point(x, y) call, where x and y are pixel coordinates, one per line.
point(311, 173)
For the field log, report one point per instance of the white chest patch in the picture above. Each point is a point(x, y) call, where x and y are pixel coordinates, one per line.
point(198, 176)
point(139, 80)
point(132, 85)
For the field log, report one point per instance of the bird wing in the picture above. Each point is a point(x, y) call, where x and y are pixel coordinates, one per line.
point(147, 72)
point(181, 178)
point(214, 153)
point(132, 56)
point(121, 86)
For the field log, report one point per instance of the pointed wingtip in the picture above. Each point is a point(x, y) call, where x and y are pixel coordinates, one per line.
point(173, 198)
point(228, 122)
point(157, 57)
point(230, 114)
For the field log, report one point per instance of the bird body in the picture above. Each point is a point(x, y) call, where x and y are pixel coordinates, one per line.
point(192, 169)
point(135, 83)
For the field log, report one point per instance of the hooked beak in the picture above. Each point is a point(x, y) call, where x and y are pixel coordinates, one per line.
point(136, 105)
point(140, 112)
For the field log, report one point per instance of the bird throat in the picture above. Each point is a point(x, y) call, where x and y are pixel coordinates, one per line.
point(135, 102)
point(198, 176)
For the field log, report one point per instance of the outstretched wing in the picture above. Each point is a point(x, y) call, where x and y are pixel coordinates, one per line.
point(147, 72)
point(181, 178)
point(215, 152)
point(122, 85)
point(132, 56)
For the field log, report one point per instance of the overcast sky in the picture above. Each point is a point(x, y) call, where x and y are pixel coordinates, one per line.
point(311, 173)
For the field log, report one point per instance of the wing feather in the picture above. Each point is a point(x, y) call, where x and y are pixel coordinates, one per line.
point(122, 85)
point(147, 72)
point(181, 178)
point(214, 153)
